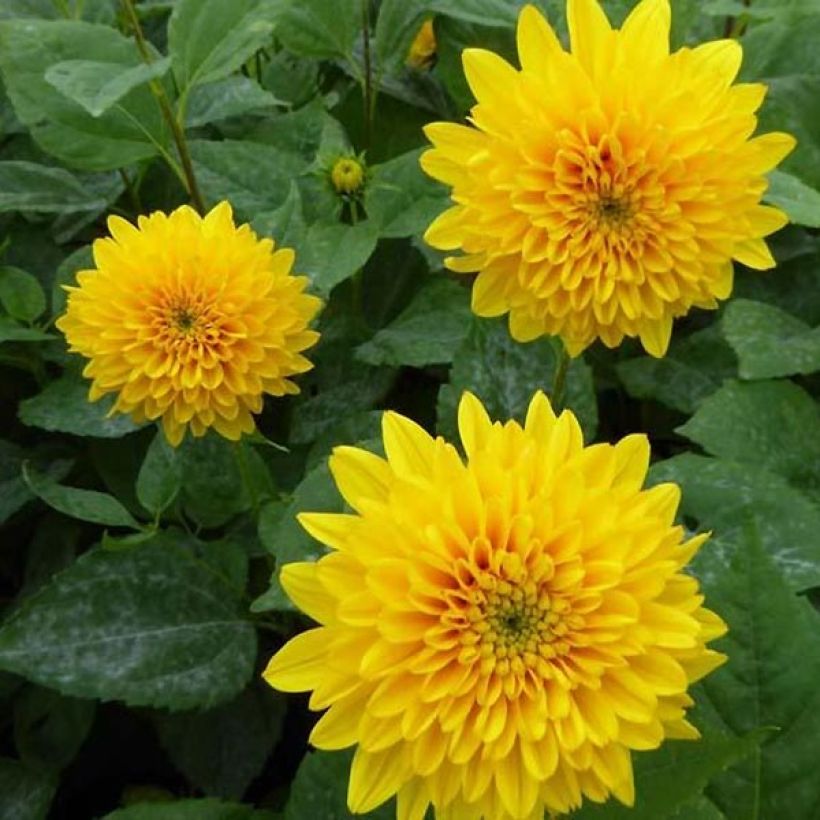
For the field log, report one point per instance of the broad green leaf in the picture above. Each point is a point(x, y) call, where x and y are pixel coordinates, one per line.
point(213, 491)
point(210, 39)
point(283, 536)
point(87, 505)
point(502, 13)
point(505, 374)
point(26, 186)
point(669, 777)
point(21, 294)
point(694, 367)
point(148, 625)
point(64, 407)
point(770, 342)
point(291, 78)
point(97, 86)
point(160, 477)
point(770, 680)
point(773, 425)
point(429, 331)
point(130, 131)
point(320, 790)
point(49, 728)
point(25, 792)
point(206, 809)
point(700, 808)
point(800, 202)
point(316, 28)
point(95, 11)
point(222, 750)
point(401, 198)
point(719, 496)
point(81, 259)
point(11, 331)
point(227, 98)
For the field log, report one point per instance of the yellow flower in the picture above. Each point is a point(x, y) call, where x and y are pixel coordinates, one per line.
point(190, 319)
point(422, 50)
point(498, 634)
point(605, 191)
point(347, 175)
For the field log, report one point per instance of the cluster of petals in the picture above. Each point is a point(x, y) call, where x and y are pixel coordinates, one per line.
point(604, 191)
point(497, 633)
point(190, 320)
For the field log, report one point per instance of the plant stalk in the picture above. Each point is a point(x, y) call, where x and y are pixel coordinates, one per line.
point(559, 380)
point(177, 131)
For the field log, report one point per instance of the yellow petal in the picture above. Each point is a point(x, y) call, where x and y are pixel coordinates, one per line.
point(589, 30)
point(303, 587)
point(410, 449)
point(361, 477)
point(645, 31)
point(298, 666)
point(537, 42)
point(375, 777)
point(490, 77)
point(755, 254)
point(655, 335)
point(474, 424)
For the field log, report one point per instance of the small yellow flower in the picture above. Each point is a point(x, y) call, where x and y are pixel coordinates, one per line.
point(190, 319)
point(497, 635)
point(604, 191)
point(422, 50)
point(347, 175)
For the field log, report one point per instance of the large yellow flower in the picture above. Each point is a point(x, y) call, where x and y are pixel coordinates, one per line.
point(605, 191)
point(190, 319)
point(497, 635)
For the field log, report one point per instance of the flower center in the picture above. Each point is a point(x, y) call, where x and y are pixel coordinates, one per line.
point(613, 211)
point(183, 319)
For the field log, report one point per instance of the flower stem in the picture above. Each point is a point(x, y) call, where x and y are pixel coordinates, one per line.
point(559, 379)
point(177, 131)
point(367, 81)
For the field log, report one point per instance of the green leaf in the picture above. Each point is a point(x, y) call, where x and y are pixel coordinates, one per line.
point(283, 536)
point(26, 186)
point(401, 198)
point(87, 505)
point(21, 294)
point(227, 98)
point(770, 680)
point(222, 750)
point(97, 86)
point(502, 13)
point(428, 331)
point(208, 809)
point(667, 778)
point(50, 728)
point(329, 253)
point(64, 407)
point(320, 790)
point(81, 259)
point(505, 374)
point(694, 367)
point(150, 625)
point(720, 496)
point(11, 331)
point(14, 492)
point(770, 342)
point(700, 808)
point(210, 39)
point(213, 491)
point(316, 28)
point(773, 425)
point(160, 477)
point(132, 130)
point(396, 27)
point(798, 200)
point(25, 792)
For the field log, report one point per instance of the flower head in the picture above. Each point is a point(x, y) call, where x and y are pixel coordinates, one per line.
point(497, 634)
point(190, 319)
point(347, 175)
point(422, 51)
point(606, 190)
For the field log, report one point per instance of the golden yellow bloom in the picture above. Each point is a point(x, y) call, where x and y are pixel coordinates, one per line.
point(498, 634)
point(605, 191)
point(347, 175)
point(190, 319)
point(423, 48)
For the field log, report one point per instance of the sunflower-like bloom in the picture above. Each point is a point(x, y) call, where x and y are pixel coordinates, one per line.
point(607, 190)
point(497, 634)
point(190, 319)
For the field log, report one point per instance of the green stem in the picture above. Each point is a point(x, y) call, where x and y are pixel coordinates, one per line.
point(245, 474)
point(133, 194)
point(559, 380)
point(177, 131)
